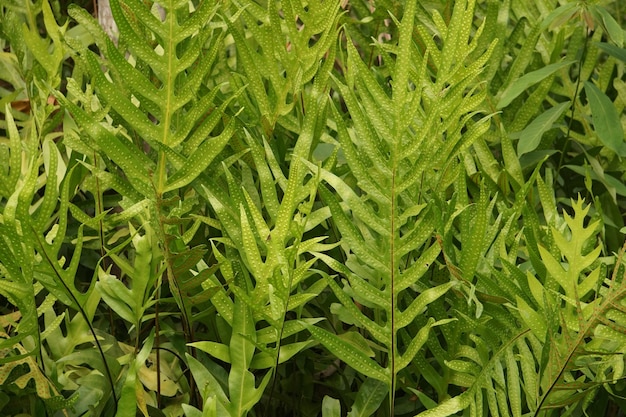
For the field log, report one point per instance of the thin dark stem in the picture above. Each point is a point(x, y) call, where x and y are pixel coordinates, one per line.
point(571, 119)
point(370, 61)
point(82, 311)
point(157, 344)
point(172, 281)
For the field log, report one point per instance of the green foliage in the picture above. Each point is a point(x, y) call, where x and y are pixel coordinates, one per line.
point(312, 208)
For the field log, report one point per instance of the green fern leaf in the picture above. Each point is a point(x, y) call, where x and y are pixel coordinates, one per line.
point(392, 146)
point(353, 356)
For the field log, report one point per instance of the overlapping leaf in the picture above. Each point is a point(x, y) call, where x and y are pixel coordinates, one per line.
point(393, 146)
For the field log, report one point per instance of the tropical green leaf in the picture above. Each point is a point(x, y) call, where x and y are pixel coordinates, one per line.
point(348, 352)
point(610, 25)
point(530, 137)
point(617, 52)
point(200, 159)
point(521, 84)
point(371, 394)
point(606, 120)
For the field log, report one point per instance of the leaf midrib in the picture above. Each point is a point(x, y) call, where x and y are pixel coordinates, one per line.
point(170, 52)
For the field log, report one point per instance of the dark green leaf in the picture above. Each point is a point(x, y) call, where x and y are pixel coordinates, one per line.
point(606, 119)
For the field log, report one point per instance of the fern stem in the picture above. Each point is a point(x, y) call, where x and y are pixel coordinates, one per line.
point(161, 176)
point(571, 119)
point(370, 60)
point(164, 239)
point(392, 348)
point(157, 343)
point(172, 282)
point(82, 311)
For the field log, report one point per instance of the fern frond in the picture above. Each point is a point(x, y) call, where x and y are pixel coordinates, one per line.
point(547, 356)
point(401, 149)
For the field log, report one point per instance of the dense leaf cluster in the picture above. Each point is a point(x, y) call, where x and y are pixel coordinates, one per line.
point(303, 208)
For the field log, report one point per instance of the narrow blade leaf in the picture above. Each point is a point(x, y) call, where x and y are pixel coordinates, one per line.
point(523, 83)
point(606, 120)
point(530, 137)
